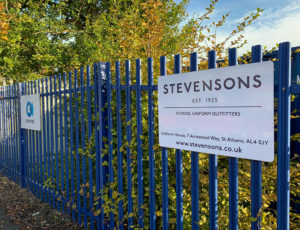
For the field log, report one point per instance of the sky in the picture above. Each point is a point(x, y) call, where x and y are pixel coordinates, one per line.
point(279, 22)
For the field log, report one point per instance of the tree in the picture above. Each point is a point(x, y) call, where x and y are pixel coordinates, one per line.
point(48, 36)
point(37, 41)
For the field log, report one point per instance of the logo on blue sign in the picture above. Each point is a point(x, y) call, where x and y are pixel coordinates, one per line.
point(29, 109)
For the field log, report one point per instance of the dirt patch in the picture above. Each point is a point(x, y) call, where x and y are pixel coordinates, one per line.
point(26, 210)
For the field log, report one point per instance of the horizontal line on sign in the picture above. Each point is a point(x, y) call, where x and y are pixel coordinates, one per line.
point(216, 107)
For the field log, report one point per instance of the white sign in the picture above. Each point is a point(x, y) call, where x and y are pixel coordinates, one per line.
point(30, 112)
point(224, 111)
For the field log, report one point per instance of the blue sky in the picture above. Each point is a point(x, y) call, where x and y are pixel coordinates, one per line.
point(279, 22)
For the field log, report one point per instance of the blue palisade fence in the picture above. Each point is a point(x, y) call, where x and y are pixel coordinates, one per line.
point(82, 160)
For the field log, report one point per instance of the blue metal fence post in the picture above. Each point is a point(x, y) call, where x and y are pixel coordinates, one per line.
point(90, 160)
point(284, 106)
point(151, 144)
point(78, 168)
point(119, 143)
point(233, 170)
point(256, 166)
point(164, 163)
point(129, 136)
point(1, 132)
point(213, 169)
point(179, 182)
point(110, 138)
point(96, 130)
point(22, 144)
point(83, 144)
point(139, 144)
point(103, 134)
point(195, 166)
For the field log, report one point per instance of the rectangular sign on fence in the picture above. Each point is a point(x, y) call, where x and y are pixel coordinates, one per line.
point(225, 111)
point(30, 112)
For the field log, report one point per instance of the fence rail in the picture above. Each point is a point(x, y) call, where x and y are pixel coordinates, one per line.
point(96, 156)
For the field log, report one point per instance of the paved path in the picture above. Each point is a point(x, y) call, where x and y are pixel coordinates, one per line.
point(5, 223)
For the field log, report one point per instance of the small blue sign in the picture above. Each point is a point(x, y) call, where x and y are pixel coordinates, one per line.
point(29, 109)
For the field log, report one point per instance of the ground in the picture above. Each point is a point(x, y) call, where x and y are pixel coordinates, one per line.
point(20, 209)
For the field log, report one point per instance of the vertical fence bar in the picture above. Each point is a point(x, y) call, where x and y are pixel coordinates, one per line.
point(128, 135)
point(179, 191)
point(18, 146)
point(71, 145)
point(52, 140)
point(40, 147)
point(102, 127)
point(110, 139)
point(4, 137)
point(28, 149)
point(48, 141)
point(88, 85)
point(16, 134)
point(6, 133)
point(284, 108)
point(233, 169)
point(139, 144)
point(56, 140)
point(151, 144)
point(67, 197)
point(10, 132)
point(61, 144)
point(32, 153)
point(36, 154)
point(44, 197)
point(14, 150)
point(19, 89)
point(164, 157)
point(4, 130)
point(13, 134)
point(1, 128)
point(17, 128)
point(256, 167)
point(31, 149)
point(213, 168)
point(78, 182)
point(82, 108)
point(195, 165)
point(27, 143)
point(1, 125)
point(96, 125)
point(119, 143)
